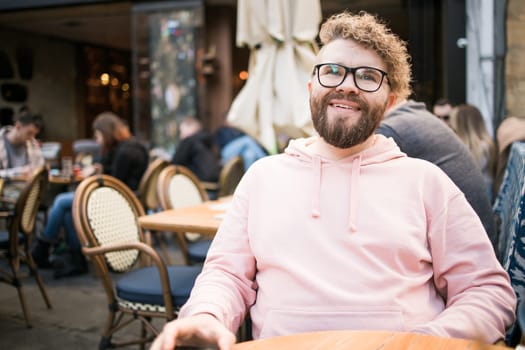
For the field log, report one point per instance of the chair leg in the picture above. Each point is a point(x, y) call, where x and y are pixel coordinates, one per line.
point(15, 264)
point(144, 332)
point(163, 245)
point(107, 333)
point(105, 343)
point(42, 290)
point(23, 302)
point(181, 239)
point(34, 271)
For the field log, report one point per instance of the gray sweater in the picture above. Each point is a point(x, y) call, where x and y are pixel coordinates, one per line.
point(420, 134)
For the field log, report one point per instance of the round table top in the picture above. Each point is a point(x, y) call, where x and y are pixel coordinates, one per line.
point(364, 340)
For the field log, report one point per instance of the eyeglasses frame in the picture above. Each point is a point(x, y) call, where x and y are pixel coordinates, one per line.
point(351, 70)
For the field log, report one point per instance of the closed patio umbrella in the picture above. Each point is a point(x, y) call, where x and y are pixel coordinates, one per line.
point(281, 36)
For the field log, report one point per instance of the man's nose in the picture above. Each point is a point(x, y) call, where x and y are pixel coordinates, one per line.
point(348, 85)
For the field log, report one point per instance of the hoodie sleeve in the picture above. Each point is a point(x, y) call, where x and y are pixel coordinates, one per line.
point(226, 287)
point(477, 292)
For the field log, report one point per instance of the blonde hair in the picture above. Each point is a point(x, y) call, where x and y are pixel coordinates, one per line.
point(468, 123)
point(370, 32)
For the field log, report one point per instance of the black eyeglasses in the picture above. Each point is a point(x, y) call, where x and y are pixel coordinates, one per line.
point(368, 79)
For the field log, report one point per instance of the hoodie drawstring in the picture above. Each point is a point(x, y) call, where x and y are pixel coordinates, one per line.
point(354, 187)
point(316, 165)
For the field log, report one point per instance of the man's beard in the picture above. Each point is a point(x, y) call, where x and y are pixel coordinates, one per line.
point(335, 131)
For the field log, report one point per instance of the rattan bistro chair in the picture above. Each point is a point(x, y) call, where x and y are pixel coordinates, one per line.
point(179, 187)
point(230, 176)
point(147, 194)
point(147, 191)
point(105, 215)
point(16, 242)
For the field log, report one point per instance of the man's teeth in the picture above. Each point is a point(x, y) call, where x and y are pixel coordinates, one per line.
point(343, 106)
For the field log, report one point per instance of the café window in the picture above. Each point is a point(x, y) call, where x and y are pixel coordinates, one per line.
point(166, 39)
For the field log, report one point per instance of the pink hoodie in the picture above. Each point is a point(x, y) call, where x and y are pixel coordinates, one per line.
point(374, 241)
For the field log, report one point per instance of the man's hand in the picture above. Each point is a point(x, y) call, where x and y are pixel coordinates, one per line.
point(26, 171)
point(199, 330)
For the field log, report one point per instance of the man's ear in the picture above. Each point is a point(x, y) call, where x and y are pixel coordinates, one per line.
point(309, 86)
point(391, 101)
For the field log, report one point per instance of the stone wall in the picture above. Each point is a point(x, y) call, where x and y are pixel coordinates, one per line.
point(515, 60)
point(51, 90)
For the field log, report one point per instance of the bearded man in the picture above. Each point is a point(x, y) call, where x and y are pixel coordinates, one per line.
point(344, 231)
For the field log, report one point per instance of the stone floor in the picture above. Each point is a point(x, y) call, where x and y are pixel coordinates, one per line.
point(75, 321)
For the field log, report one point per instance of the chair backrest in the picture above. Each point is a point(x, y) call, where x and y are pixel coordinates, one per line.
point(509, 211)
point(85, 150)
point(230, 176)
point(105, 212)
point(507, 205)
point(51, 151)
point(28, 202)
point(179, 187)
point(147, 191)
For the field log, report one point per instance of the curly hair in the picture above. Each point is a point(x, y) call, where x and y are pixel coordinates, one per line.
point(370, 32)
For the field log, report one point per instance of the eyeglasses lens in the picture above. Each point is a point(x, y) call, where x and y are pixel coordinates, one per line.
point(331, 75)
point(368, 79)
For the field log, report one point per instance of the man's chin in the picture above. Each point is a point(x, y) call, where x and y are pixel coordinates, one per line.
point(346, 119)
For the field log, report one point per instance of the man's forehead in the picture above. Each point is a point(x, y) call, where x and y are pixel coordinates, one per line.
point(442, 109)
point(349, 52)
point(30, 128)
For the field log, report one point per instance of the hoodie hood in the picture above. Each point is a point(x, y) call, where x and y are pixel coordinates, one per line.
point(381, 151)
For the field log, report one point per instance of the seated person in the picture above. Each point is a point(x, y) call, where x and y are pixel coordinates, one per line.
point(122, 157)
point(234, 142)
point(468, 123)
point(20, 152)
point(442, 109)
point(344, 231)
point(420, 134)
point(196, 151)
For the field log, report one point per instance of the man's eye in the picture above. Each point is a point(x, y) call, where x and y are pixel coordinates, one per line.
point(334, 70)
point(369, 76)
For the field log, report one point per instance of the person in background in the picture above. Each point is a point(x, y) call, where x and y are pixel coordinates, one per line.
point(196, 150)
point(468, 123)
point(20, 152)
point(420, 134)
point(122, 157)
point(511, 129)
point(235, 142)
point(442, 109)
point(343, 230)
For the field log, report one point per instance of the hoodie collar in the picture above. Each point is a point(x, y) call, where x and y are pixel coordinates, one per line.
point(381, 151)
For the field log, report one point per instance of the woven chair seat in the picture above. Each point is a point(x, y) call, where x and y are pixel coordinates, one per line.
point(143, 286)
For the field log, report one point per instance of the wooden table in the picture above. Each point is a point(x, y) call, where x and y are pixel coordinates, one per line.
point(62, 180)
point(204, 218)
point(53, 179)
point(364, 340)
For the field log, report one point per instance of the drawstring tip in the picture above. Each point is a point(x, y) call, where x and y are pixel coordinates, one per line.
point(316, 213)
point(353, 227)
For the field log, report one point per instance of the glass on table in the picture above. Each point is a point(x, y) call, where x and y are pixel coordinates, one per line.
point(67, 167)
